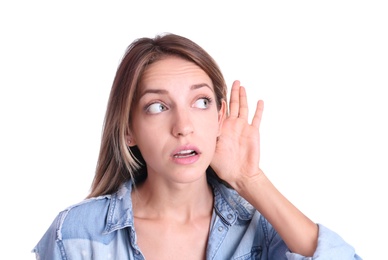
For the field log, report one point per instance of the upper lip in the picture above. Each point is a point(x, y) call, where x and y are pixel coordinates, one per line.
point(185, 148)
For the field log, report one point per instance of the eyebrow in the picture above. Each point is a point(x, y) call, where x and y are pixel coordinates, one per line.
point(164, 92)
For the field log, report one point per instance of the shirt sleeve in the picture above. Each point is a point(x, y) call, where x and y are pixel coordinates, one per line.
point(330, 246)
point(48, 248)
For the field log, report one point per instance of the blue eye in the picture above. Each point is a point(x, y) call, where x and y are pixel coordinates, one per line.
point(202, 103)
point(156, 108)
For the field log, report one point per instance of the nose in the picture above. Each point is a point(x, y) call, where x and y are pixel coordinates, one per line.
point(182, 124)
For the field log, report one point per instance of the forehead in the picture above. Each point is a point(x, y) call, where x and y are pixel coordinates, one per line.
point(173, 70)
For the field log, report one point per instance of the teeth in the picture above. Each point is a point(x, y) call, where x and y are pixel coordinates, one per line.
point(185, 153)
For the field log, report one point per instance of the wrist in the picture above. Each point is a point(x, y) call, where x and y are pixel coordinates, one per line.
point(250, 183)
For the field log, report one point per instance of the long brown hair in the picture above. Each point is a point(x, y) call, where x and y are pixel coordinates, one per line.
point(118, 163)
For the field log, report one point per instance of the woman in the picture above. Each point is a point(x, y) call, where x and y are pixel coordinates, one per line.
point(178, 175)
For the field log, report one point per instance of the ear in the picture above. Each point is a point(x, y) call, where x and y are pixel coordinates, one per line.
point(129, 140)
point(221, 116)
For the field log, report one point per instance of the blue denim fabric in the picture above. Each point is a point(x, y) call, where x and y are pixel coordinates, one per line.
point(102, 228)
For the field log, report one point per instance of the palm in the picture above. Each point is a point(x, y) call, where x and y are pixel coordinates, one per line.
point(238, 148)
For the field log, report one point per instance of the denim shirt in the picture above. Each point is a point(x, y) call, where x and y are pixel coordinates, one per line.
point(102, 228)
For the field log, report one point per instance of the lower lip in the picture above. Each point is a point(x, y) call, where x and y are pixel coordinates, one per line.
point(186, 160)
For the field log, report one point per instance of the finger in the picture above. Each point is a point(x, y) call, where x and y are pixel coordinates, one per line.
point(243, 108)
point(258, 114)
point(234, 102)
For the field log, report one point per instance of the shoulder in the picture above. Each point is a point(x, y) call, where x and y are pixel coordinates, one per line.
point(91, 220)
point(94, 217)
point(89, 214)
point(82, 220)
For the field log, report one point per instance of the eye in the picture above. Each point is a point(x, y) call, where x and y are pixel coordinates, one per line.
point(156, 108)
point(202, 103)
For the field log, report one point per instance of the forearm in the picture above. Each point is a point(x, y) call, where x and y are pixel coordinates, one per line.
point(298, 231)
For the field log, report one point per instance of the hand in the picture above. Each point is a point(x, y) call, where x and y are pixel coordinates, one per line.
point(237, 152)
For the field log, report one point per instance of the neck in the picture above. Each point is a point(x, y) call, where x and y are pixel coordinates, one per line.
point(180, 201)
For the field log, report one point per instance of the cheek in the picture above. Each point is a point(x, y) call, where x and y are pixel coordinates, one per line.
point(147, 135)
point(150, 133)
point(144, 127)
point(150, 146)
point(209, 126)
point(212, 120)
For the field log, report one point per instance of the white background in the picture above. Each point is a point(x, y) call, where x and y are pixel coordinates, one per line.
point(321, 68)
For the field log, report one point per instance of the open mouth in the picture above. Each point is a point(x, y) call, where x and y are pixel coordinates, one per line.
point(185, 154)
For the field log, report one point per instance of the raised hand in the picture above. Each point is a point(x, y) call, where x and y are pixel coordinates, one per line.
point(237, 153)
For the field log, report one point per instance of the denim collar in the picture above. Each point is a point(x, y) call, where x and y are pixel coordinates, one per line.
point(228, 205)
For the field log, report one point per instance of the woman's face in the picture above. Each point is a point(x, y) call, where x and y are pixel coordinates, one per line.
point(175, 123)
